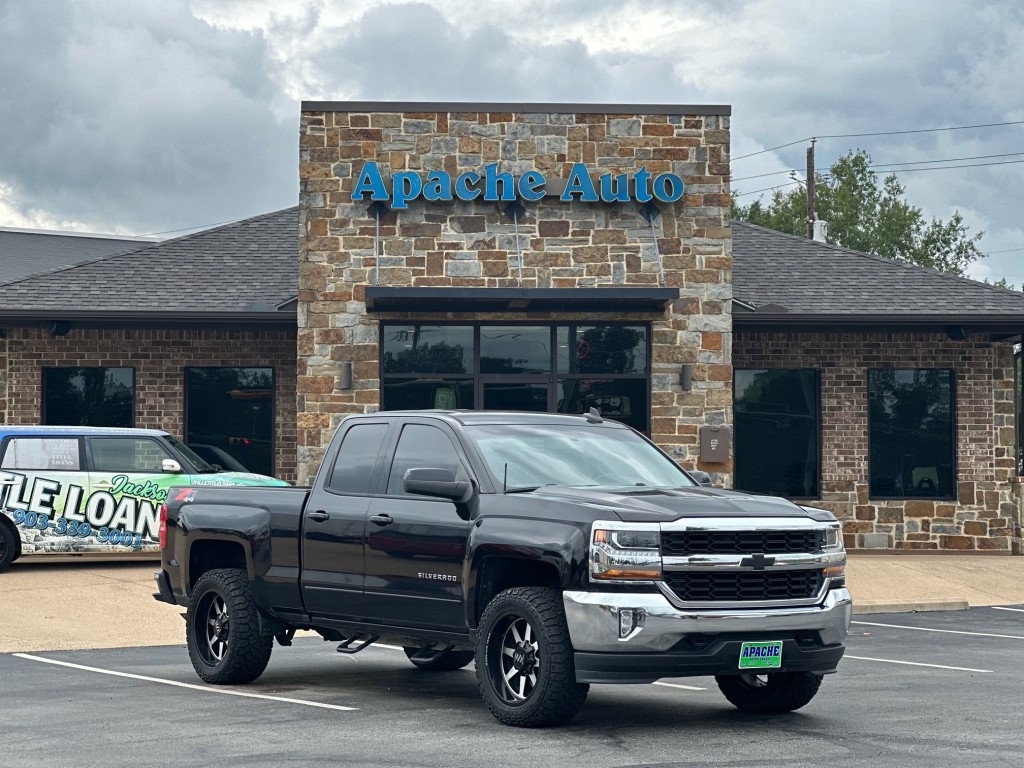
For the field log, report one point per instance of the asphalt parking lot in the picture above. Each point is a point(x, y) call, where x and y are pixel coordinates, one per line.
point(927, 689)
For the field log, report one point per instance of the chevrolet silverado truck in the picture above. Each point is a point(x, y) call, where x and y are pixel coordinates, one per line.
point(556, 551)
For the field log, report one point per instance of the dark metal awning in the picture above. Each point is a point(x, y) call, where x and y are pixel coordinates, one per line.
point(405, 299)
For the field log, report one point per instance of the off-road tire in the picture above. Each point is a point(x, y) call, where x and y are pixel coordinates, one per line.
point(554, 696)
point(440, 661)
point(10, 543)
point(769, 694)
point(243, 652)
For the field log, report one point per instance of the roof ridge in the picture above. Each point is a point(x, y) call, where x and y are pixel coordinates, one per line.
point(910, 266)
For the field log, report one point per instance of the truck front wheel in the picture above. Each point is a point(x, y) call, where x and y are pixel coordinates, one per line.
point(222, 627)
point(524, 659)
point(770, 693)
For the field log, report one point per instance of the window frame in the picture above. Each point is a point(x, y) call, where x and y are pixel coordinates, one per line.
point(392, 442)
point(371, 486)
point(953, 420)
point(818, 431)
point(44, 372)
point(273, 407)
point(91, 462)
point(82, 459)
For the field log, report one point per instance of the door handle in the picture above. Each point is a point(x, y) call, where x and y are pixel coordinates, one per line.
point(319, 516)
point(381, 519)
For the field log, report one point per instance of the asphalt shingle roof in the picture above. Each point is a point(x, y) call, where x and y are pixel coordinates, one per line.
point(249, 265)
point(24, 253)
point(808, 277)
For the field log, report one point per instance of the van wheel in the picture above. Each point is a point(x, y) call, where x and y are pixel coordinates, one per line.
point(769, 694)
point(438, 661)
point(524, 659)
point(222, 627)
point(9, 544)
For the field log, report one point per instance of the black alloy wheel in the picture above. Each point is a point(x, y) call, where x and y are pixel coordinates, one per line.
point(222, 627)
point(524, 659)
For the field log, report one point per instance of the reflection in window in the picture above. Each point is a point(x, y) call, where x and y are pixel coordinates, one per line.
point(605, 349)
point(910, 433)
point(58, 454)
point(776, 423)
point(515, 349)
point(127, 454)
point(232, 409)
point(95, 397)
point(623, 400)
point(427, 349)
point(421, 445)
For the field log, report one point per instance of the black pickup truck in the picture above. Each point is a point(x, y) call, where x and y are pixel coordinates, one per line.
point(556, 551)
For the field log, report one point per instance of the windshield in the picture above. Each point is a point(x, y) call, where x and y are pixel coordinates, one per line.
point(201, 466)
point(539, 455)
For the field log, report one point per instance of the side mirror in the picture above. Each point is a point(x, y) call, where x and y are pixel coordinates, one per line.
point(703, 478)
point(170, 466)
point(434, 481)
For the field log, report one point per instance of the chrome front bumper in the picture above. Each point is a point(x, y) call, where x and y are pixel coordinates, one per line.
point(593, 619)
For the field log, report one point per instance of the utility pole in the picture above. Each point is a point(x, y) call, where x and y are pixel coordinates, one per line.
point(810, 190)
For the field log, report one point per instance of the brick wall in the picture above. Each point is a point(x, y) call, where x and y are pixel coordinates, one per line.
point(986, 515)
point(468, 244)
point(159, 358)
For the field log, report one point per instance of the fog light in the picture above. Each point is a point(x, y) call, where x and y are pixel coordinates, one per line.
point(631, 620)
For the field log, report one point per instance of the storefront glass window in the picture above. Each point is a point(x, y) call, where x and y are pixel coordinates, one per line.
point(910, 433)
point(776, 422)
point(427, 349)
point(229, 417)
point(563, 368)
point(94, 397)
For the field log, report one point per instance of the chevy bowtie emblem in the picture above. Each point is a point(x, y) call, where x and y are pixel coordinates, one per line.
point(758, 562)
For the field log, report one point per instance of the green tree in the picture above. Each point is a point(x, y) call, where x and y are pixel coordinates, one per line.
point(867, 215)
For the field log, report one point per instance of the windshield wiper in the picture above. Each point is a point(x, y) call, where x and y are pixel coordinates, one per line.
point(523, 489)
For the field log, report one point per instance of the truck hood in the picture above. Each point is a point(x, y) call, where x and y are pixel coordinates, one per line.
point(656, 505)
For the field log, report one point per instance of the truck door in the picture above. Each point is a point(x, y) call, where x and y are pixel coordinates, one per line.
point(333, 524)
point(415, 545)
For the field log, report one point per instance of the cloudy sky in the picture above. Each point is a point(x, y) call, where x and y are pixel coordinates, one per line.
point(165, 116)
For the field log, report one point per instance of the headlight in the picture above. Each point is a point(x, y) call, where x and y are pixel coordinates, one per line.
point(625, 552)
point(834, 547)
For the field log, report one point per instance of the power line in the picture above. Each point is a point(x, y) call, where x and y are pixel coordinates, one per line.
point(186, 229)
point(888, 165)
point(880, 133)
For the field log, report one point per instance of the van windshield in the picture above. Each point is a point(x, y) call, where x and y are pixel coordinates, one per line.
point(202, 467)
point(580, 456)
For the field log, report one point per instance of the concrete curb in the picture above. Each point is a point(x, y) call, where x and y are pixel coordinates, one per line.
point(909, 606)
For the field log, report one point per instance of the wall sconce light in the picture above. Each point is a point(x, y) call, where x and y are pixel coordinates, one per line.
point(686, 377)
point(345, 376)
point(59, 327)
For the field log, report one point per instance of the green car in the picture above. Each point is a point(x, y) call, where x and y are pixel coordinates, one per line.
point(89, 490)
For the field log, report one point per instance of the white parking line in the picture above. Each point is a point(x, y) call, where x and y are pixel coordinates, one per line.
point(176, 684)
point(915, 663)
point(947, 631)
point(677, 685)
point(1001, 608)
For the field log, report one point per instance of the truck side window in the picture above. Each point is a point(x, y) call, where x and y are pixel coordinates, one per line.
point(422, 446)
point(53, 453)
point(356, 458)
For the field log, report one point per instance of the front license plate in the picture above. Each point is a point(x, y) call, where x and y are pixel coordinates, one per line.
point(761, 655)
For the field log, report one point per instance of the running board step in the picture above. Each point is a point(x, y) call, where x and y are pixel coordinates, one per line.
point(361, 641)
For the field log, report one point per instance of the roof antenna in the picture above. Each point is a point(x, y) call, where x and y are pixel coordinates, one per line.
point(504, 481)
point(593, 416)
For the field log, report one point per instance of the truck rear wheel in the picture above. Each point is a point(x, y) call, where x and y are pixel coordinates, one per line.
point(8, 543)
point(770, 693)
point(222, 627)
point(438, 661)
point(524, 659)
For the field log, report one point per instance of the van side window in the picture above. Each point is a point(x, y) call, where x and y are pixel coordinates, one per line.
point(356, 459)
point(53, 453)
point(127, 454)
point(422, 446)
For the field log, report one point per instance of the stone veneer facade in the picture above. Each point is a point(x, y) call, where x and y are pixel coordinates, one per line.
point(986, 516)
point(159, 358)
point(472, 244)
